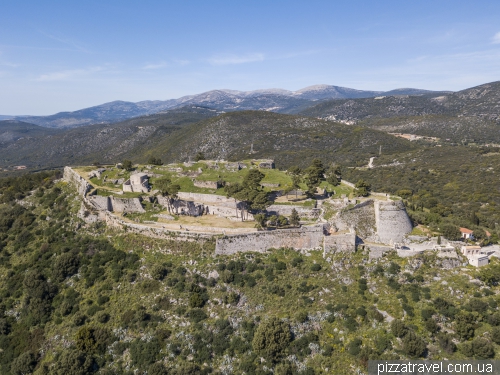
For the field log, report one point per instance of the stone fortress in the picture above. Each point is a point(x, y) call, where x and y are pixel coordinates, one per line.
point(379, 224)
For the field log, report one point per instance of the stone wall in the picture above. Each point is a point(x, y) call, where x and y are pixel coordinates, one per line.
point(100, 203)
point(305, 238)
point(286, 210)
point(345, 242)
point(392, 221)
point(361, 218)
point(126, 205)
point(207, 198)
point(207, 184)
point(80, 183)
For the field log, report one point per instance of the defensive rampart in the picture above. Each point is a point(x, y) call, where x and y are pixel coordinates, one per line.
point(392, 221)
point(207, 198)
point(286, 210)
point(80, 183)
point(344, 242)
point(376, 221)
point(305, 238)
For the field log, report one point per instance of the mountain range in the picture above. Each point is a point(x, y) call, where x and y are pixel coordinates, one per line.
point(275, 100)
point(347, 130)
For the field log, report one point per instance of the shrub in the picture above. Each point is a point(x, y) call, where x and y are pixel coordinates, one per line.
point(482, 348)
point(446, 343)
point(302, 316)
point(24, 364)
point(272, 338)
point(354, 347)
point(413, 345)
point(398, 328)
point(316, 267)
point(158, 272)
point(197, 315)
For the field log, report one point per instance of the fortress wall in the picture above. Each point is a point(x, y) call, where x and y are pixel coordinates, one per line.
point(101, 203)
point(113, 221)
point(81, 184)
point(286, 210)
point(361, 217)
point(207, 198)
point(298, 239)
point(126, 205)
point(227, 212)
point(345, 243)
point(392, 221)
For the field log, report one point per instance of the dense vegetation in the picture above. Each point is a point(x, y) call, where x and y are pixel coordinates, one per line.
point(93, 300)
point(455, 185)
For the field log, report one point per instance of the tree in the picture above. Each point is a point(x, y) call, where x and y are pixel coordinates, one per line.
point(413, 345)
point(314, 175)
point(483, 348)
point(167, 189)
point(73, 362)
point(127, 165)
point(294, 218)
point(261, 220)
point(464, 325)
point(154, 161)
point(249, 191)
point(271, 339)
point(24, 364)
point(333, 175)
point(451, 232)
point(398, 328)
point(273, 219)
point(282, 221)
point(157, 369)
point(199, 156)
point(362, 188)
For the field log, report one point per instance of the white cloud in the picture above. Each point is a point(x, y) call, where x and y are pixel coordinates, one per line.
point(228, 59)
point(154, 66)
point(496, 38)
point(66, 75)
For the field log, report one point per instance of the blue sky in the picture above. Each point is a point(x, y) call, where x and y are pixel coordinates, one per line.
point(67, 55)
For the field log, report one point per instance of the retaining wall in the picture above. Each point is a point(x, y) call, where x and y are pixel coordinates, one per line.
point(345, 243)
point(207, 198)
point(286, 210)
point(305, 238)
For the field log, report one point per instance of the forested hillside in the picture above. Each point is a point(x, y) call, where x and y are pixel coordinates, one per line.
point(85, 299)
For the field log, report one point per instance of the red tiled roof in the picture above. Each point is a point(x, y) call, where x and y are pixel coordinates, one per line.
point(465, 230)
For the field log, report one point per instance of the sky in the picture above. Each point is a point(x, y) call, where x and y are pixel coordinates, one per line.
point(66, 55)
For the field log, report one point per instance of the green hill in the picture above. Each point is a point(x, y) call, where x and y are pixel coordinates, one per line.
point(103, 301)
